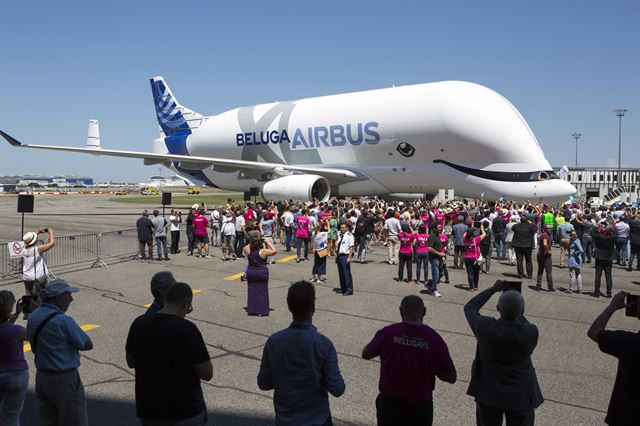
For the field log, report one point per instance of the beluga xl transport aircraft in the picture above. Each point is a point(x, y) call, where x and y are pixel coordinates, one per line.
point(409, 139)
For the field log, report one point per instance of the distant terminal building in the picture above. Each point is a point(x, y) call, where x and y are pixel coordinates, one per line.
point(25, 180)
point(602, 182)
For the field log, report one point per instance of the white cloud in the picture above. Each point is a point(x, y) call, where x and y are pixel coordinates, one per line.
point(611, 163)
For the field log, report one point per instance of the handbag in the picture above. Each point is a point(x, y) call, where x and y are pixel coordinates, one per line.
point(479, 260)
point(322, 253)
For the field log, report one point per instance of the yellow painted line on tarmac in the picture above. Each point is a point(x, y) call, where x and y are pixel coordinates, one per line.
point(192, 291)
point(286, 259)
point(234, 276)
point(86, 327)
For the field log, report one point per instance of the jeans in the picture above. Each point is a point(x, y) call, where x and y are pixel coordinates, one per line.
point(575, 279)
point(501, 246)
point(434, 261)
point(621, 247)
point(161, 245)
point(344, 272)
point(13, 390)
point(544, 265)
point(287, 237)
point(486, 253)
point(444, 272)
point(524, 253)
point(191, 241)
point(175, 241)
point(227, 245)
point(362, 248)
point(239, 243)
point(301, 242)
point(473, 272)
point(215, 234)
point(405, 258)
point(603, 265)
point(587, 245)
point(492, 416)
point(319, 265)
point(393, 412)
point(422, 262)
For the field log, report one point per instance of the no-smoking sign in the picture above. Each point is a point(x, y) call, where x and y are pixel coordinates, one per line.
point(15, 248)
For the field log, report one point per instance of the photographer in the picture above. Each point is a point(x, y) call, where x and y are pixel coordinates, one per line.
point(14, 371)
point(625, 346)
point(34, 268)
point(503, 380)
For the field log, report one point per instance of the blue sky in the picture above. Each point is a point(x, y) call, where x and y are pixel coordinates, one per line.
point(564, 65)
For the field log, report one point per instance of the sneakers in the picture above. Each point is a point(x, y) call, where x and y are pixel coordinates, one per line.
point(207, 256)
point(437, 293)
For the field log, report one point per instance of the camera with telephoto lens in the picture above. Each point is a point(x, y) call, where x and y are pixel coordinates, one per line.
point(28, 301)
point(633, 308)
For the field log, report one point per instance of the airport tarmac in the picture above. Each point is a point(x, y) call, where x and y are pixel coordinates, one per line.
point(575, 377)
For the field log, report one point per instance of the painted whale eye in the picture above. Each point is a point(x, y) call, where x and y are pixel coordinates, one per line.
point(406, 149)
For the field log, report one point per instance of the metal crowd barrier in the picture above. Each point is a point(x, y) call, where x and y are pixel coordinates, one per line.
point(78, 249)
point(72, 250)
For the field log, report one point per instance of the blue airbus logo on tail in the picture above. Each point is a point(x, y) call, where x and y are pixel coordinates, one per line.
point(170, 118)
point(316, 137)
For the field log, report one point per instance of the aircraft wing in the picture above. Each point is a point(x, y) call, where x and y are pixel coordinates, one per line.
point(199, 162)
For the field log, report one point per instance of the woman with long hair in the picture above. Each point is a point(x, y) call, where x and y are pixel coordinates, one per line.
point(334, 225)
point(257, 251)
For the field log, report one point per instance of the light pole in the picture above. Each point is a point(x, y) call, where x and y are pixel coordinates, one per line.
point(576, 136)
point(620, 113)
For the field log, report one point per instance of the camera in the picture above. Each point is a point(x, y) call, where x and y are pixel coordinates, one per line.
point(27, 302)
point(46, 229)
point(632, 309)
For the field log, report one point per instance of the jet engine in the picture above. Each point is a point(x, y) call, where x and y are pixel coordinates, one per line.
point(297, 187)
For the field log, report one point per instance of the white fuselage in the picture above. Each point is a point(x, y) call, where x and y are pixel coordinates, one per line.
point(461, 123)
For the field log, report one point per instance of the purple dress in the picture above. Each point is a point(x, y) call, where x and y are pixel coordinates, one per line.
point(258, 285)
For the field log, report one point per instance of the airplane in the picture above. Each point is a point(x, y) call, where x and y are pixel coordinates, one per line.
point(411, 139)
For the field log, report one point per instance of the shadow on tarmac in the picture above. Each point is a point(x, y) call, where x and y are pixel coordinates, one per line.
point(108, 412)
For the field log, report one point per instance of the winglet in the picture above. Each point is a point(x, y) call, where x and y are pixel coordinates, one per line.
point(10, 139)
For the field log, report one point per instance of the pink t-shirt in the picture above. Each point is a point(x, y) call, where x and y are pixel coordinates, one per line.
point(200, 225)
point(422, 243)
point(472, 247)
point(445, 241)
point(406, 241)
point(411, 356)
point(303, 227)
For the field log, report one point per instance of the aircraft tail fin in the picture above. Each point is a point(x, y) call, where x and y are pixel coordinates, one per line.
point(93, 135)
point(173, 118)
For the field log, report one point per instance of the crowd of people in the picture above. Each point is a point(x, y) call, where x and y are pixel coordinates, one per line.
point(420, 238)
point(300, 364)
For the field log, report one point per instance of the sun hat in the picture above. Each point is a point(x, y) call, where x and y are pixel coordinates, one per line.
point(30, 238)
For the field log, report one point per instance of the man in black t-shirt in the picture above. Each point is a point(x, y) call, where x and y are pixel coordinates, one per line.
point(625, 346)
point(170, 358)
point(436, 258)
point(145, 234)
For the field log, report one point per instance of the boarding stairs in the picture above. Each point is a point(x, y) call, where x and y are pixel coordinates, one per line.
point(615, 194)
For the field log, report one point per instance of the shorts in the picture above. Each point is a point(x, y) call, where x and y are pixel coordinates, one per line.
point(202, 239)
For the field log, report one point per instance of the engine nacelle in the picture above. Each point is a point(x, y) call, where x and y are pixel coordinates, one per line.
point(297, 187)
